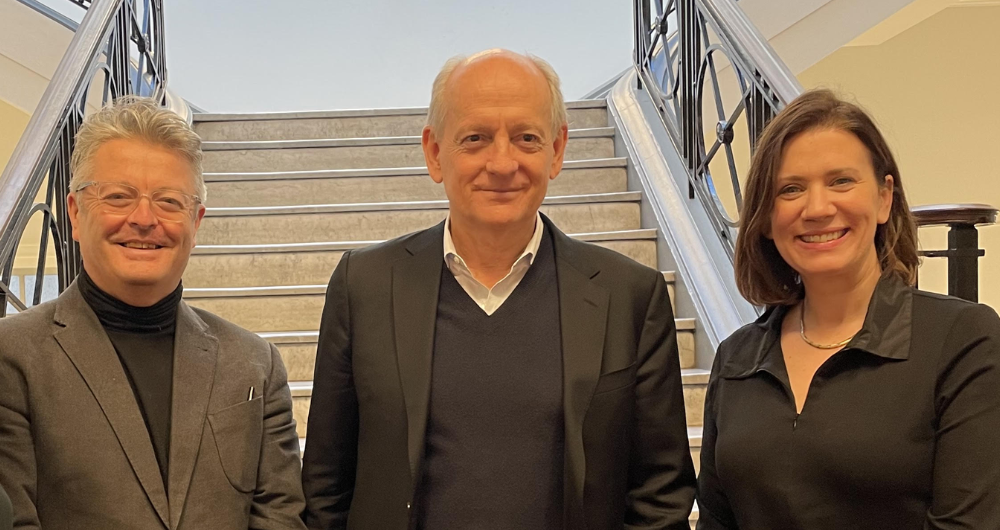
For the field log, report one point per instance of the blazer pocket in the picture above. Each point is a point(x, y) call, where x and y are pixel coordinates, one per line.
point(237, 430)
point(615, 380)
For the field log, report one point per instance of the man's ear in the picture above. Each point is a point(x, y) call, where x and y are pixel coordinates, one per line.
point(197, 224)
point(432, 151)
point(74, 211)
point(559, 151)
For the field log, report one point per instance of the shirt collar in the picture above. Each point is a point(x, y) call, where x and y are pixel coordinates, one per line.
point(529, 252)
point(885, 333)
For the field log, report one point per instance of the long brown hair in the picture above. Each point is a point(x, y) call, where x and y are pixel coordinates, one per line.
point(762, 275)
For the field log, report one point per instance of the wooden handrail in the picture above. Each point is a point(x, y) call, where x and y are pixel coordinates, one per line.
point(954, 214)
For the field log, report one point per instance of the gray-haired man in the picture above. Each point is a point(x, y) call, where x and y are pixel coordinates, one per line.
point(491, 372)
point(120, 405)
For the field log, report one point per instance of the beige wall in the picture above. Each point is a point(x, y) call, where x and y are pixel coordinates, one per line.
point(934, 91)
point(12, 124)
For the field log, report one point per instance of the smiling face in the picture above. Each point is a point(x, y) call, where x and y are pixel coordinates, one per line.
point(135, 257)
point(497, 148)
point(828, 204)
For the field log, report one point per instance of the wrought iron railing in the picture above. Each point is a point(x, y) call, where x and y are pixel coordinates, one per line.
point(118, 47)
point(685, 52)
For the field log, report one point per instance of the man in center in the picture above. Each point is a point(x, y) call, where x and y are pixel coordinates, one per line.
point(491, 372)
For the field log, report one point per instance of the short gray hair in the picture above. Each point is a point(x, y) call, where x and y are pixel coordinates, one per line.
point(438, 108)
point(136, 118)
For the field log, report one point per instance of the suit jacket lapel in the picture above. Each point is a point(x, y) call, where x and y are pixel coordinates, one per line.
point(416, 281)
point(583, 312)
point(85, 342)
point(195, 356)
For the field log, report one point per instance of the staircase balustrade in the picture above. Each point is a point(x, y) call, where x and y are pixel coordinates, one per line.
point(682, 69)
point(122, 42)
point(679, 54)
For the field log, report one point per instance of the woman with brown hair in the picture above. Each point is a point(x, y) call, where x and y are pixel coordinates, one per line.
point(856, 400)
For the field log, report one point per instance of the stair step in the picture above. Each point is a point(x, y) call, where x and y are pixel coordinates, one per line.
point(313, 263)
point(283, 188)
point(355, 153)
point(365, 123)
point(302, 394)
point(299, 307)
point(298, 352)
point(605, 212)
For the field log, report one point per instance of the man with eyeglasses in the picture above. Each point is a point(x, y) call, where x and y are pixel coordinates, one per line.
point(120, 405)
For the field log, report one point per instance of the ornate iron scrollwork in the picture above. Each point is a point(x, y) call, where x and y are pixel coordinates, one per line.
point(681, 70)
point(129, 52)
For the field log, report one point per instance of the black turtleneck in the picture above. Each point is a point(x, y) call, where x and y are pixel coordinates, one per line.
point(143, 337)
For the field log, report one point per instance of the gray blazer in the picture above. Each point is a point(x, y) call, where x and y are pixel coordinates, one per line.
point(75, 452)
point(6, 516)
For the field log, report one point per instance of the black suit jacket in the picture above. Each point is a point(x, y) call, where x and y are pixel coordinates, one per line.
point(627, 458)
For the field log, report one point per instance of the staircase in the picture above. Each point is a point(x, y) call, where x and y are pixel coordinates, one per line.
point(288, 193)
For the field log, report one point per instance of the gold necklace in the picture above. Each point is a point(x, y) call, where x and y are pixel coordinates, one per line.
point(802, 333)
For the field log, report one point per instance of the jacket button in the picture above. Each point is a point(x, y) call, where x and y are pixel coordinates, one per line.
point(407, 506)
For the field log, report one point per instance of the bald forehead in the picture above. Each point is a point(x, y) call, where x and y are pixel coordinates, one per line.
point(486, 68)
point(504, 75)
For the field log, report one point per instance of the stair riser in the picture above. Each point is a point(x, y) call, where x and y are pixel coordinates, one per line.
point(300, 359)
point(291, 192)
point(314, 268)
point(348, 127)
point(359, 157)
point(300, 409)
point(379, 225)
point(301, 313)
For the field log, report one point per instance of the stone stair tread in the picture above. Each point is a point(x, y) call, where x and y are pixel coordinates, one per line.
point(592, 163)
point(621, 196)
point(695, 376)
point(617, 235)
point(694, 435)
point(269, 290)
point(290, 337)
point(354, 113)
point(247, 145)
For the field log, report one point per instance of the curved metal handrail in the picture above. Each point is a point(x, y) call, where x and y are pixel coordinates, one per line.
point(681, 69)
point(111, 35)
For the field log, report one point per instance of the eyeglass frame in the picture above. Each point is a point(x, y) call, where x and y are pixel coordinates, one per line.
point(195, 199)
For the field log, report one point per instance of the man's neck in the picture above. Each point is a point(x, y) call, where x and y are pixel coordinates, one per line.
point(490, 252)
point(135, 297)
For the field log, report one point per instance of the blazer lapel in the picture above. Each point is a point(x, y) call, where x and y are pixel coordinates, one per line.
point(416, 281)
point(87, 345)
point(583, 312)
point(195, 355)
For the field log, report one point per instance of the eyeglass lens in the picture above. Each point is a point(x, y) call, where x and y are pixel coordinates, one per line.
point(122, 199)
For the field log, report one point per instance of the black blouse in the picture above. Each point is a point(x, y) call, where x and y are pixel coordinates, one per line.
point(901, 428)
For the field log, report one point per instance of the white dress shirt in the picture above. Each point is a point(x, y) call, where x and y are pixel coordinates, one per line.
point(489, 300)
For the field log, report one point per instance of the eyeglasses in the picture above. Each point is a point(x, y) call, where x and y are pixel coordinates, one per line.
point(121, 199)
